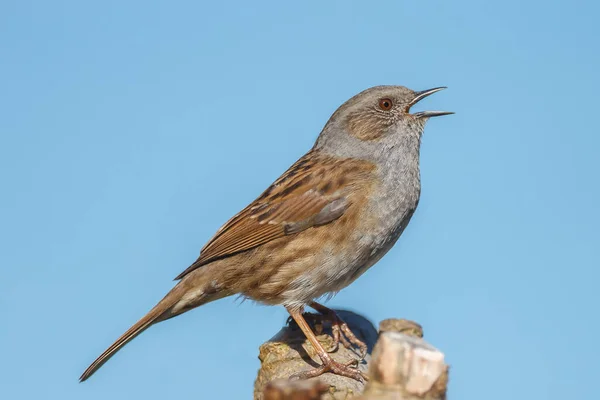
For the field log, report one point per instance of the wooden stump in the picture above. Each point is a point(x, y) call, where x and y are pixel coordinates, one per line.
point(400, 366)
point(289, 352)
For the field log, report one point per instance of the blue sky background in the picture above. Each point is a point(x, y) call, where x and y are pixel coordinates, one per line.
point(130, 131)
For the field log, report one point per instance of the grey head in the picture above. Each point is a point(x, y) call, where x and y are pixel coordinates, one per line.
point(374, 122)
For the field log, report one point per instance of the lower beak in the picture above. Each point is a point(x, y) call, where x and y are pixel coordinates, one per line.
point(426, 114)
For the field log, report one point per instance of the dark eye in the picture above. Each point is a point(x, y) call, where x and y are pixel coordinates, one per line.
point(385, 104)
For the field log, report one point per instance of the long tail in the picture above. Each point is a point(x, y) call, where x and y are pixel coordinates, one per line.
point(177, 301)
point(149, 319)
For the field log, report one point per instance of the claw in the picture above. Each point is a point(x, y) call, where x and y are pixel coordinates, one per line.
point(348, 335)
point(334, 367)
point(341, 332)
point(328, 364)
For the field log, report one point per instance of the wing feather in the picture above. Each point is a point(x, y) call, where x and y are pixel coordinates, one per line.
point(314, 191)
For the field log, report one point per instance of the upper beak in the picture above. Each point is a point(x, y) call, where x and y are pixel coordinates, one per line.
point(420, 96)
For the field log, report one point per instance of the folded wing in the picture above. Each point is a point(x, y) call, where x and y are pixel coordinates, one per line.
point(314, 191)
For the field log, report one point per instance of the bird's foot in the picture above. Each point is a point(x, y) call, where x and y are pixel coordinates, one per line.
point(341, 333)
point(327, 363)
point(335, 368)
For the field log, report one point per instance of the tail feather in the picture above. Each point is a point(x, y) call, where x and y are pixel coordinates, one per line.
point(187, 294)
point(155, 315)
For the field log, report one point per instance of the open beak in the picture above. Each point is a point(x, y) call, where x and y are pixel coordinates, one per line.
point(426, 114)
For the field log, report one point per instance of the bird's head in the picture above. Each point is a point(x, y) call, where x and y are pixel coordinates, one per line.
point(378, 113)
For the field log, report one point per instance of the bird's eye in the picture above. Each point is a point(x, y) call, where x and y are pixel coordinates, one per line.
point(385, 104)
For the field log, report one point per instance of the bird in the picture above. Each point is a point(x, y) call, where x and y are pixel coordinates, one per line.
point(324, 222)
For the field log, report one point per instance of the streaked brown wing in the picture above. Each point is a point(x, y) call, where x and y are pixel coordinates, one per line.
point(314, 191)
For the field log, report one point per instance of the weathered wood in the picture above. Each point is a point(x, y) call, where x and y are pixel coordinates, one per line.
point(284, 389)
point(405, 367)
point(288, 352)
point(401, 366)
point(405, 326)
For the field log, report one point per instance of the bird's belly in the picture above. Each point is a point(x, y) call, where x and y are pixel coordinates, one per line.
point(333, 267)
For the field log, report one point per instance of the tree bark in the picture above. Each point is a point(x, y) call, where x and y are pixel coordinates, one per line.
point(400, 366)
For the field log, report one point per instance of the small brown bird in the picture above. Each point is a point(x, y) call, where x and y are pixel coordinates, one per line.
point(324, 222)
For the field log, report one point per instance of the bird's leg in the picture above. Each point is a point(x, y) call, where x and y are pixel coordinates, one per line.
point(329, 365)
point(340, 330)
point(313, 320)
